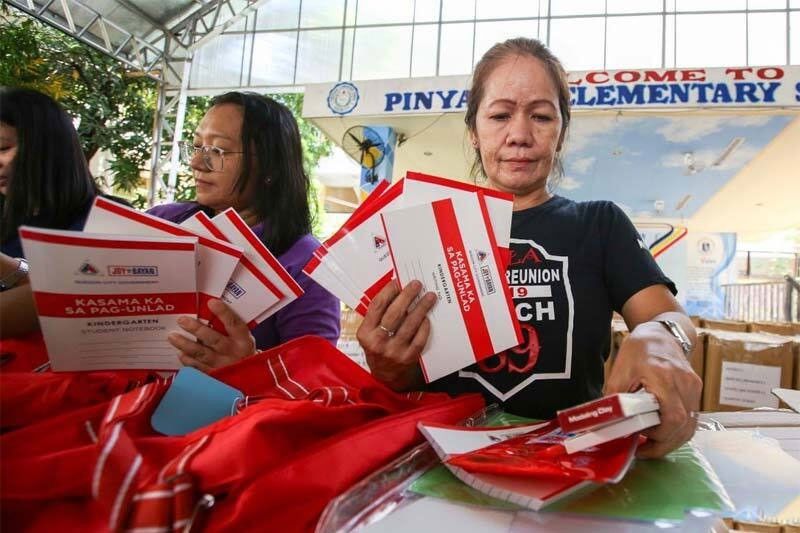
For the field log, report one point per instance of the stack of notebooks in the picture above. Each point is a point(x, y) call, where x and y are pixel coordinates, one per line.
point(108, 297)
point(538, 464)
point(451, 236)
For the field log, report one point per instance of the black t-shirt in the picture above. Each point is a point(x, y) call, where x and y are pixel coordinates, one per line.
point(571, 265)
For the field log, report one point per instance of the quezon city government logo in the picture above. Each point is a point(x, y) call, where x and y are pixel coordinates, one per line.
point(88, 269)
point(378, 241)
point(343, 98)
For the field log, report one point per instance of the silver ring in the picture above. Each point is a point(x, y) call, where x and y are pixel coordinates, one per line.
point(389, 333)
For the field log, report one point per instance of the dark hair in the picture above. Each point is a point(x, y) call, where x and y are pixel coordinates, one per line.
point(273, 155)
point(51, 181)
point(519, 46)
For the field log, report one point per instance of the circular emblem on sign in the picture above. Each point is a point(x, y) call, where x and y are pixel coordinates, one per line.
point(705, 246)
point(343, 98)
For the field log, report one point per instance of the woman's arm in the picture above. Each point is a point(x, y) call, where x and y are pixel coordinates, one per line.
point(17, 311)
point(651, 357)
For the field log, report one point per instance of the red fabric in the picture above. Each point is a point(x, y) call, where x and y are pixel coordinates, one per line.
point(318, 424)
point(23, 354)
point(28, 398)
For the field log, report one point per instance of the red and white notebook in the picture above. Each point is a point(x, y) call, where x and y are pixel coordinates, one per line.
point(531, 492)
point(449, 245)
point(543, 452)
point(281, 283)
point(109, 301)
point(324, 268)
point(605, 410)
point(248, 291)
point(216, 259)
point(596, 436)
point(358, 253)
point(354, 263)
point(423, 188)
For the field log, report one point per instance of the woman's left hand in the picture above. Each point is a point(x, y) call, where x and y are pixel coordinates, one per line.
point(669, 377)
point(212, 348)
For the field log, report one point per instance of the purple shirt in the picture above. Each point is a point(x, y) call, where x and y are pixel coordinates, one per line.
point(316, 312)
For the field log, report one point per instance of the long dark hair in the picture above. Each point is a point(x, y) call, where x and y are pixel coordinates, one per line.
point(520, 46)
point(273, 155)
point(51, 181)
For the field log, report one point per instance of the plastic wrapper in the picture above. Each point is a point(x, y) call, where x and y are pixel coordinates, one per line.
point(680, 492)
point(540, 454)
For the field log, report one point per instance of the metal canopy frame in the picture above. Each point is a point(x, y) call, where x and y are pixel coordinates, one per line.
point(163, 52)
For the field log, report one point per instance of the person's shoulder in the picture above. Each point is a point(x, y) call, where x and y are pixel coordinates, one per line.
point(174, 212)
point(300, 252)
point(598, 208)
point(304, 246)
point(116, 199)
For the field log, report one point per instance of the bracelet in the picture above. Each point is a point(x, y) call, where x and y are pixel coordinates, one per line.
point(679, 335)
point(14, 277)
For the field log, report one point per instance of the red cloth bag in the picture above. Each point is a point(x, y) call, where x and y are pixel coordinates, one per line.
point(314, 424)
point(23, 354)
point(28, 398)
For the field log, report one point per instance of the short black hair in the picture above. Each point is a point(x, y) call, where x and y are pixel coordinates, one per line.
point(273, 155)
point(51, 181)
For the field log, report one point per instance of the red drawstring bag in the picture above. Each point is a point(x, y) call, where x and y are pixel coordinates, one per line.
point(23, 354)
point(28, 398)
point(314, 423)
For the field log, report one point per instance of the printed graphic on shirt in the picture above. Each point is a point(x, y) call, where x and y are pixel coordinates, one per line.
point(544, 306)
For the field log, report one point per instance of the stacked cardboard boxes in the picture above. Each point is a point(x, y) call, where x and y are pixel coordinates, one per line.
point(739, 362)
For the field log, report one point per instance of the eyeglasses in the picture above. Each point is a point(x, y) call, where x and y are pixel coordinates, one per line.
point(213, 157)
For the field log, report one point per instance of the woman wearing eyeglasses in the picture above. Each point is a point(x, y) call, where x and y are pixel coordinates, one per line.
point(247, 154)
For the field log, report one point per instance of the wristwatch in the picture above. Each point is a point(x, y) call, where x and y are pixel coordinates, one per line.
point(676, 331)
point(14, 277)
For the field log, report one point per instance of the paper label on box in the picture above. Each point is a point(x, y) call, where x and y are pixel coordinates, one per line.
point(748, 385)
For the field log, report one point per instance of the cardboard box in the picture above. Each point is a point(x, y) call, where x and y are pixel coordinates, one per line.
point(796, 348)
point(795, 340)
point(347, 343)
point(698, 361)
point(779, 328)
point(757, 527)
point(696, 321)
point(350, 321)
point(725, 325)
point(742, 368)
point(698, 356)
point(618, 335)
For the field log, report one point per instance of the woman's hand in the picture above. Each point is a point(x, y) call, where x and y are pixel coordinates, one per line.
point(648, 359)
point(393, 335)
point(213, 349)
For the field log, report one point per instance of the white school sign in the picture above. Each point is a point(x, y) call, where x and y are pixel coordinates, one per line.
point(733, 87)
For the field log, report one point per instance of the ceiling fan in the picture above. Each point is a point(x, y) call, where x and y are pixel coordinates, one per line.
point(364, 144)
point(693, 166)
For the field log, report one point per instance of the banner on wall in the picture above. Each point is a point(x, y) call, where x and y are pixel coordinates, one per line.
point(710, 264)
point(698, 263)
point(770, 86)
point(667, 243)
